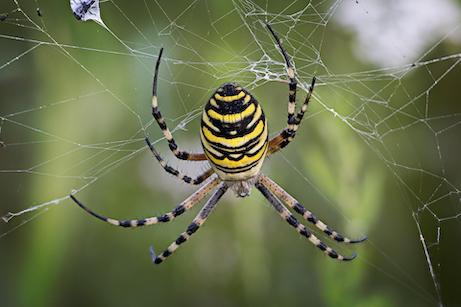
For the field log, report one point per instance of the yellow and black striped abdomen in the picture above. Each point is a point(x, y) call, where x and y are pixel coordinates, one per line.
point(234, 133)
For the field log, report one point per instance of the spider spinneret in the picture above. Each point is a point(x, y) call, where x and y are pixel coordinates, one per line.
point(235, 141)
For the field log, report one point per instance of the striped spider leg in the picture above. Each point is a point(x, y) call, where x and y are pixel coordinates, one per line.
point(187, 179)
point(300, 228)
point(180, 154)
point(193, 227)
point(187, 204)
point(294, 120)
point(291, 202)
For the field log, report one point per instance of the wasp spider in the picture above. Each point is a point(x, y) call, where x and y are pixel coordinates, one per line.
point(235, 141)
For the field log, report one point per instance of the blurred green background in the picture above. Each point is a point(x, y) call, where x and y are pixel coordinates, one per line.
point(377, 155)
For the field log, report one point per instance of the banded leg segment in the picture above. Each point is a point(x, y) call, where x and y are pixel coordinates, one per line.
point(306, 214)
point(180, 209)
point(187, 179)
point(300, 115)
point(300, 228)
point(183, 155)
point(193, 227)
point(288, 134)
point(292, 84)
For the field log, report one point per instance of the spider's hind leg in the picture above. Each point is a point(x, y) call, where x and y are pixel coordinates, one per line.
point(180, 154)
point(294, 119)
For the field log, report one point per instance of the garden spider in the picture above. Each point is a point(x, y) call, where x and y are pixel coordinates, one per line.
point(235, 141)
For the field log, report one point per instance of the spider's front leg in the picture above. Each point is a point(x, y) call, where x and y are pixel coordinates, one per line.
point(187, 204)
point(193, 227)
point(180, 154)
point(280, 193)
point(300, 228)
point(294, 120)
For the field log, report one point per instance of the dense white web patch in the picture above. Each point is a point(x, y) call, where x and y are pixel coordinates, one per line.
point(86, 10)
point(380, 105)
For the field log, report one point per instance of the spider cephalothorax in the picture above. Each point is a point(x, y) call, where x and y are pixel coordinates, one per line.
point(235, 141)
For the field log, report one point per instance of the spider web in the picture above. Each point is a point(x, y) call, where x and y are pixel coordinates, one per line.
point(389, 109)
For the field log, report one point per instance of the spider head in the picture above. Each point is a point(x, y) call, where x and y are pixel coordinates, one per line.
point(242, 188)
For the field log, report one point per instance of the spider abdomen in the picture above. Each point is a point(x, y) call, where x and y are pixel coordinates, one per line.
point(234, 133)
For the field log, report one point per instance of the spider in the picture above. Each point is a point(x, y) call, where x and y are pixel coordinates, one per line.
point(235, 141)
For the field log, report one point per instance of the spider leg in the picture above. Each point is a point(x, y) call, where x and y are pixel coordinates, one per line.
point(198, 180)
point(193, 227)
point(300, 115)
point(180, 209)
point(292, 84)
point(288, 134)
point(183, 155)
point(281, 194)
point(300, 228)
